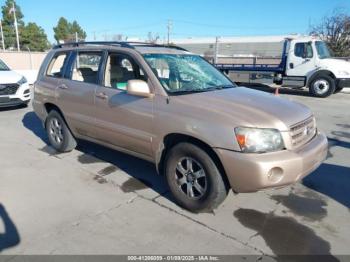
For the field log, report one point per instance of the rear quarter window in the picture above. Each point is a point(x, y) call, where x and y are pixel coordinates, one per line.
point(56, 65)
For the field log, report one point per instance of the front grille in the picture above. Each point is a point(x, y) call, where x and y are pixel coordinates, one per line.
point(303, 132)
point(8, 89)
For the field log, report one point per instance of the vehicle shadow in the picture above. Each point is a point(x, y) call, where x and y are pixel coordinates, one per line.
point(143, 174)
point(331, 180)
point(10, 237)
point(32, 122)
point(282, 90)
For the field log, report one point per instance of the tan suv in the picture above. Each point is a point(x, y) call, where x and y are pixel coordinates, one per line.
point(173, 108)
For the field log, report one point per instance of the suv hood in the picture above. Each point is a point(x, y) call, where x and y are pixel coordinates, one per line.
point(9, 77)
point(245, 107)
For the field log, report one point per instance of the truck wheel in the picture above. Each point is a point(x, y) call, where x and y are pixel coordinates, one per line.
point(193, 178)
point(58, 133)
point(322, 86)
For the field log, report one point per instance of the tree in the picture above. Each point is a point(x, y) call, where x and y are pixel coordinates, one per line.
point(34, 37)
point(8, 23)
point(335, 30)
point(67, 31)
point(61, 30)
point(76, 28)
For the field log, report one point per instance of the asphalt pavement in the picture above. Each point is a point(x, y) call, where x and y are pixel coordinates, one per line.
point(99, 201)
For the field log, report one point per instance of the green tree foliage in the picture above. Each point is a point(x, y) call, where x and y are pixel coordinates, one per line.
point(34, 37)
point(66, 31)
point(8, 23)
point(30, 36)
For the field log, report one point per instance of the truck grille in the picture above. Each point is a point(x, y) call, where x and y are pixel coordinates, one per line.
point(303, 132)
point(8, 89)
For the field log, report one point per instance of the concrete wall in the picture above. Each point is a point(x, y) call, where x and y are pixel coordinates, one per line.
point(24, 63)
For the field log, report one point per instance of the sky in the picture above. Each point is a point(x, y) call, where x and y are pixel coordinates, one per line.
point(189, 18)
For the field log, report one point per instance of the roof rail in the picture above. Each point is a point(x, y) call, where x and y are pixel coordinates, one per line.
point(118, 43)
point(76, 44)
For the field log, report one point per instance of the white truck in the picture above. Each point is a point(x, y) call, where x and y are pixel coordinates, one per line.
point(305, 62)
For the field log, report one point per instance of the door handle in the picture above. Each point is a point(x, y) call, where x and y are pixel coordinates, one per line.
point(102, 96)
point(63, 86)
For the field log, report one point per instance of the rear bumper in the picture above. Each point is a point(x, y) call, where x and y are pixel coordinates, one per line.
point(254, 172)
point(343, 82)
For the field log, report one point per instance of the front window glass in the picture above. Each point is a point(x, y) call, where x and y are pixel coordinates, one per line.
point(322, 50)
point(120, 69)
point(3, 66)
point(186, 73)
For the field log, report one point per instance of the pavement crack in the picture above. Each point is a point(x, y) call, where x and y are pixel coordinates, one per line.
point(206, 226)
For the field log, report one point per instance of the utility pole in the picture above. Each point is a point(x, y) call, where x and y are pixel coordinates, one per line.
point(76, 37)
point(169, 28)
point(216, 50)
point(16, 26)
point(2, 37)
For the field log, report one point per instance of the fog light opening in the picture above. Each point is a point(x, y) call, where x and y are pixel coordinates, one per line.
point(275, 174)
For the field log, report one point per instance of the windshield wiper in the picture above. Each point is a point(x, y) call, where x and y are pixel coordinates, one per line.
point(219, 87)
point(202, 90)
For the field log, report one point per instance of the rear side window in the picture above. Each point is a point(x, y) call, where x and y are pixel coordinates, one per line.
point(86, 67)
point(56, 65)
point(303, 50)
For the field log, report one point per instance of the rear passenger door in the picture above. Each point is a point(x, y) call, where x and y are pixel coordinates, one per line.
point(76, 92)
point(123, 120)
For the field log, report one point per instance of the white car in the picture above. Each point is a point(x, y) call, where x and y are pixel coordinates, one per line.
point(14, 88)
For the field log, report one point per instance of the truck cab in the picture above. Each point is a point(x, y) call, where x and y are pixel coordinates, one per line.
point(310, 59)
point(304, 62)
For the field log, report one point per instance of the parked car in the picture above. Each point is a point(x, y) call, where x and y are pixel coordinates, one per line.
point(171, 107)
point(14, 88)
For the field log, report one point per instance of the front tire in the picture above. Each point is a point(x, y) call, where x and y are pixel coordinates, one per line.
point(58, 133)
point(322, 86)
point(194, 179)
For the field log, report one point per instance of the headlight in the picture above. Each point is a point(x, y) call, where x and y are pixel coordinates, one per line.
point(343, 73)
point(259, 140)
point(22, 81)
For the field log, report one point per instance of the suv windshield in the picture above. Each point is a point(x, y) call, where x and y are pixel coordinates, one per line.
point(3, 66)
point(322, 50)
point(186, 73)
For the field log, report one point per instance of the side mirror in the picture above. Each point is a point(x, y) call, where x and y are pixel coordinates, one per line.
point(138, 88)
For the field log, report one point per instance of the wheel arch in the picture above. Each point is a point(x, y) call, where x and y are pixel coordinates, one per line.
point(172, 139)
point(49, 107)
point(318, 73)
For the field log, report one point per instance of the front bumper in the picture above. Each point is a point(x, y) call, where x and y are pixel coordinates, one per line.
point(343, 82)
point(22, 96)
point(254, 172)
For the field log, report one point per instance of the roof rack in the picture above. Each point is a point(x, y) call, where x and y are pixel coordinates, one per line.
point(118, 43)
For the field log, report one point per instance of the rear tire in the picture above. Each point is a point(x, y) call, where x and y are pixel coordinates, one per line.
point(58, 133)
point(322, 86)
point(194, 179)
